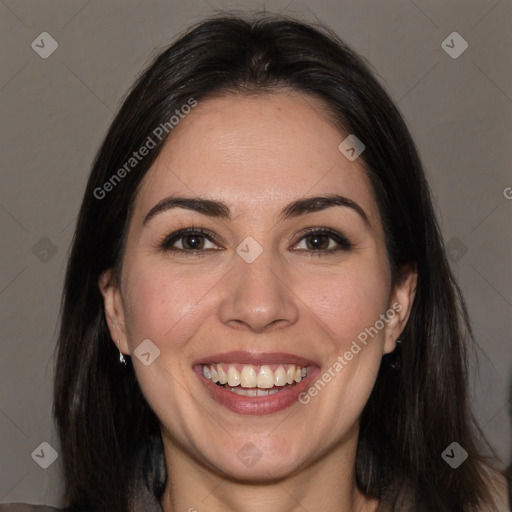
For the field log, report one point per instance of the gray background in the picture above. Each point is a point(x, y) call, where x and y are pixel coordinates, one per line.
point(55, 112)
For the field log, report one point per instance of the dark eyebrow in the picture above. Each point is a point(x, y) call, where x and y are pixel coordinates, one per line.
point(316, 204)
point(217, 209)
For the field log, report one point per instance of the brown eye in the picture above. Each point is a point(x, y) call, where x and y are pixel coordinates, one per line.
point(317, 242)
point(193, 242)
point(188, 240)
point(324, 240)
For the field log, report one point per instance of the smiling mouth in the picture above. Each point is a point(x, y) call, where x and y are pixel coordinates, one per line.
point(255, 380)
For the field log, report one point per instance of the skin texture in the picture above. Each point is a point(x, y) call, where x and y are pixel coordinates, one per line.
point(257, 154)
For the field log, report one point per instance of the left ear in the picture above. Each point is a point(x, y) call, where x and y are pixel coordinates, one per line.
point(114, 311)
point(400, 303)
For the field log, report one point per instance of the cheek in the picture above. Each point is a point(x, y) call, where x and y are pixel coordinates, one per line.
point(165, 305)
point(348, 302)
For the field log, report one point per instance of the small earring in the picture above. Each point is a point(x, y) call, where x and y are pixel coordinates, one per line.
point(122, 360)
point(394, 358)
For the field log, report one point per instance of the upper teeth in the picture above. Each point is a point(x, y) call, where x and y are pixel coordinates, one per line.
point(251, 376)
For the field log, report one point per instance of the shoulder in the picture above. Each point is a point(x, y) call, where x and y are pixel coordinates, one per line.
point(25, 507)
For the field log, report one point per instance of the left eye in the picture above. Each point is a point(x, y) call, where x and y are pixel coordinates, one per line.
point(323, 240)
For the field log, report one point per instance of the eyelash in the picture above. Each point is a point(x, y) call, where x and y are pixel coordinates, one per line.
point(167, 242)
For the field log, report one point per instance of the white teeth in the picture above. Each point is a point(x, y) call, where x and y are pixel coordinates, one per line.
point(251, 376)
point(253, 392)
point(243, 392)
point(265, 378)
point(280, 376)
point(233, 376)
point(290, 374)
point(248, 377)
point(223, 378)
point(238, 390)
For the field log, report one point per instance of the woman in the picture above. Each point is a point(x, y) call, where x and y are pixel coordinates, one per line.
point(258, 310)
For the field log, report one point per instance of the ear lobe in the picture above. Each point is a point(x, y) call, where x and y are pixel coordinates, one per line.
point(400, 303)
point(114, 310)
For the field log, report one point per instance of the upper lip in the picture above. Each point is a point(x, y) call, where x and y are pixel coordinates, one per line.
point(256, 358)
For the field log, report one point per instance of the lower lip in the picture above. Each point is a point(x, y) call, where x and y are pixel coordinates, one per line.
point(256, 405)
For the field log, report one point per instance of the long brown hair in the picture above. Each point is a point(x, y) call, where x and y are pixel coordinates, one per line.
point(419, 404)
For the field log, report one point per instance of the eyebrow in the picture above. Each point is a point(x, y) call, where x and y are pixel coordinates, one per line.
point(218, 209)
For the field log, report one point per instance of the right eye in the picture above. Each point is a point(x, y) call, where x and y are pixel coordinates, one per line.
point(191, 240)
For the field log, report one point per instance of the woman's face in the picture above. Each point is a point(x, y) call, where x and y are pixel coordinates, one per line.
point(276, 294)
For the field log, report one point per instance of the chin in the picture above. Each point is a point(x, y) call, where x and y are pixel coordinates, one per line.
point(261, 472)
point(252, 462)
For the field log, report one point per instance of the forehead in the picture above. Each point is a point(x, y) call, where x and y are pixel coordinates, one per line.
point(255, 151)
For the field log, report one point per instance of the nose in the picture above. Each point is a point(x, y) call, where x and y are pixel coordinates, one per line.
point(257, 296)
